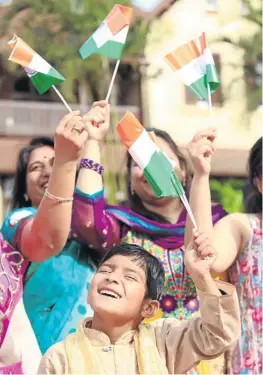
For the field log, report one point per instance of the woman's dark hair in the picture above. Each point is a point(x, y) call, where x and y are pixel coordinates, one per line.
point(253, 203)
point(153, 269)
point(134, 201)
point(18, 199)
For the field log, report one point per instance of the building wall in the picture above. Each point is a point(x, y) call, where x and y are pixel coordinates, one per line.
point(164, 96)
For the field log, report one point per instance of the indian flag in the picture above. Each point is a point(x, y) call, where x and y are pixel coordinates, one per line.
point(109, 39)
point(195, 66)
point(157, 168)
point(40, 72)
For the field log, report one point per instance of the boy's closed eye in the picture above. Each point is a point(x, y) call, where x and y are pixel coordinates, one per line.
point(104, 270)
point(131, 278)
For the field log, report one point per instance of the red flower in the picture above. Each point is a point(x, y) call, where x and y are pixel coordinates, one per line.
point(168, 303)
point(257, 315)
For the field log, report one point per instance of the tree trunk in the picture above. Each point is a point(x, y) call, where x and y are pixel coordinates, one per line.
point(84, 94)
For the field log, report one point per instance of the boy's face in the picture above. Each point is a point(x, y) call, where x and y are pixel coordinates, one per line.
point(118, 291)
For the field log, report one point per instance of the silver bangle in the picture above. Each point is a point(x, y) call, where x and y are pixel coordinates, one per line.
point(57, 199)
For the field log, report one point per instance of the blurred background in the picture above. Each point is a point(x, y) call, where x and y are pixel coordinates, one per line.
point(145, 84)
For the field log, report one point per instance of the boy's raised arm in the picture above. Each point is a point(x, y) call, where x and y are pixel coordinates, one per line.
point(219, 326)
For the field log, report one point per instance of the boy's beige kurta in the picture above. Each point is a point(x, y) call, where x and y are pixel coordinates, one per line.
point(180, 347)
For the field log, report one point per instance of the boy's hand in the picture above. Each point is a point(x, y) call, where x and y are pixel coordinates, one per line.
point(199, 256)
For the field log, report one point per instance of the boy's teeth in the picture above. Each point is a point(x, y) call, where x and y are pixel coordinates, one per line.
point(109, 293)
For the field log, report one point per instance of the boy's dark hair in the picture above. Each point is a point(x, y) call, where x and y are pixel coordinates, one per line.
point(154, 271)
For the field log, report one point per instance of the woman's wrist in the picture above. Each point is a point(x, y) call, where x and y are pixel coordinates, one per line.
point(91, 150)
point(67, 165)
point(200, 176)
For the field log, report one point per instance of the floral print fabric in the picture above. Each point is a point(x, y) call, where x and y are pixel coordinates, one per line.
point(179, 299)
point(246, 275)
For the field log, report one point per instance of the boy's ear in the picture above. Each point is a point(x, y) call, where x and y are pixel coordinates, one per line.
point(150, 308)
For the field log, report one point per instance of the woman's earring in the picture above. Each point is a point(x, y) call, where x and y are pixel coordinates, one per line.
point(132, 191)
point(26, 197)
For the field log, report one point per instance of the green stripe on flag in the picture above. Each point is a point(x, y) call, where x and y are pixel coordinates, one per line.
point(212, 77)
point(160, 175)
point(56, 75)
point(88, 48)
point(112, 49)
point(43, 82)
point(200, 87)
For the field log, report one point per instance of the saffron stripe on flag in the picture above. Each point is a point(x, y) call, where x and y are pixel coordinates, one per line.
point(184, 55)
point(118, 18)
point(129, 129)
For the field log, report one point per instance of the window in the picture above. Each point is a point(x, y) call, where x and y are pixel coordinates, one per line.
point(211, 5)
point(191, 98)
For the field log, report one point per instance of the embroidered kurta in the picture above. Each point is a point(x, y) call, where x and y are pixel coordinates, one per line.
point(102, 226)
point(179, 347)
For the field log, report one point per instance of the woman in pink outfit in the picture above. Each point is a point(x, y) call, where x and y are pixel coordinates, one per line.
point(242, 255)
point(40, 237)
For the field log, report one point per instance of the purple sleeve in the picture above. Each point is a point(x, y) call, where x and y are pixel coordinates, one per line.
point(217, 212)
point(91, 225)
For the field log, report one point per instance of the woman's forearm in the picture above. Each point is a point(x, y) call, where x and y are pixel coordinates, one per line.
point(89, 181)
point(200, 202)
point(47, 234)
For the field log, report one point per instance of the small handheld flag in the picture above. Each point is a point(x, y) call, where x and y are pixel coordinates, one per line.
point(42, 75)
point(40, 72)
point(195, 66)
point(158, 169)
point(109, 39)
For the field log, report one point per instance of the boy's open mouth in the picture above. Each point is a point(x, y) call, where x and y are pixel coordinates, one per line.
point(109, 293)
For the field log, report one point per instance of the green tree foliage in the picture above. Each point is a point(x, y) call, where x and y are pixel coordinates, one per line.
point(56, 29)
point(229, 193)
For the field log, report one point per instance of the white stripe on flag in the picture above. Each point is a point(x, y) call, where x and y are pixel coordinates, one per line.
point(208, 56)
point(142, 150)
point(195, 69)
point(102, 35)
point(121, 36)
point(39, 64)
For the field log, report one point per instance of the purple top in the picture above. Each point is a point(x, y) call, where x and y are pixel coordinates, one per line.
point(102, 226)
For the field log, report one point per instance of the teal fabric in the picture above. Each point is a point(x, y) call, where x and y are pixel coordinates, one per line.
point(55, 291)
point(13, 220)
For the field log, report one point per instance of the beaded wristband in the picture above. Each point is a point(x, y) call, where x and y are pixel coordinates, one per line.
point(57, 199)
point(90, 164)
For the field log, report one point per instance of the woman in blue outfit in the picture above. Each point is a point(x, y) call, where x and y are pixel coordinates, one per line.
point(55, 291)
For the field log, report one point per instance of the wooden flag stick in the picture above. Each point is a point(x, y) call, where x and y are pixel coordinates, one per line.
point(113, 79)
point(188, 209)
point(209, 100)
point(62, 98)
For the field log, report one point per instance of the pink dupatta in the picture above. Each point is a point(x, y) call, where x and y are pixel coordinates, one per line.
point(12, 269)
